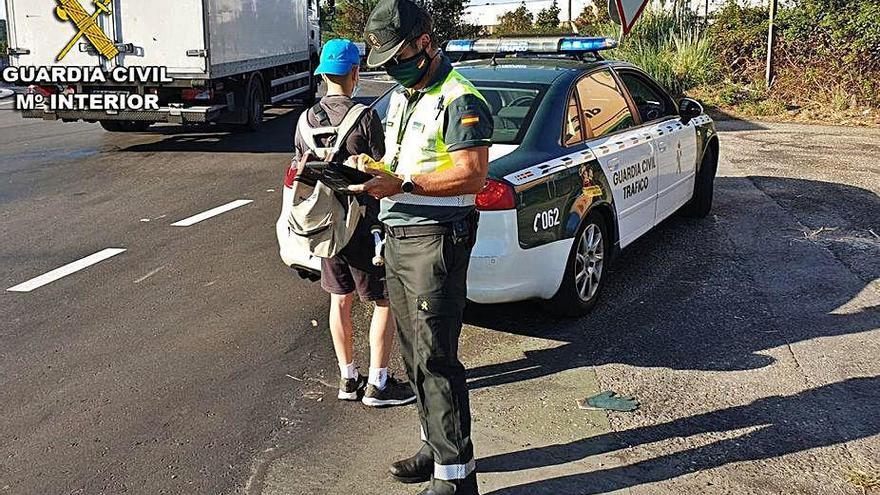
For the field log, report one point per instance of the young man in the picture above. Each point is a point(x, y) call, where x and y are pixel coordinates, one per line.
point(339, 67)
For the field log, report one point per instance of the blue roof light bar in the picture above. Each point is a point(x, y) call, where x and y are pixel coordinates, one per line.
point(557, 45)
point(586, 44)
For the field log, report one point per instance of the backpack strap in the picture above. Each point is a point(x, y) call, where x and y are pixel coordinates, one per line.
point(309, 134)
point(321, 115)
point(348, 124)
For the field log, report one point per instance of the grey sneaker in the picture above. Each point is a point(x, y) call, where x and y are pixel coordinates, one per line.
point(395, 393)
point(349, 387)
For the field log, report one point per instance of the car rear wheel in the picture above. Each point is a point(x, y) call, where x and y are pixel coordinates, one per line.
point(704, 187)
point(585, 271)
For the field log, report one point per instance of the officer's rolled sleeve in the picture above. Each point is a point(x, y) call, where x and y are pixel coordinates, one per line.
point(468, 124)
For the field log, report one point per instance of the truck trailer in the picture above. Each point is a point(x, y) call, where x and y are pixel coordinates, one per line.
point(222, 60)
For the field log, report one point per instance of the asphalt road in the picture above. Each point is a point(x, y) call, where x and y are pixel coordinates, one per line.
point(164, 366)
point(195, 363)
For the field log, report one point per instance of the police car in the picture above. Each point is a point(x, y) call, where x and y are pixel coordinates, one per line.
point(588, 155)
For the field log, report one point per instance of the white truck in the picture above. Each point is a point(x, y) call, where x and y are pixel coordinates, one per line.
point(225, 59)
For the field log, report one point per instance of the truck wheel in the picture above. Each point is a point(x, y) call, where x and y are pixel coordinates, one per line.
point(704, 187)
point(312, 96)
point(255, 104)
point(585, 271)
point(125, 125)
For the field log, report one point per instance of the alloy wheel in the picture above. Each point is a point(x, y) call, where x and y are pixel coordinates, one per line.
point(588, 262)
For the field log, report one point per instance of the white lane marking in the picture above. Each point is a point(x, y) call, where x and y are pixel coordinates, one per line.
point(66, 270)
point(187, 222)
point(5, 103)
point(157, 270)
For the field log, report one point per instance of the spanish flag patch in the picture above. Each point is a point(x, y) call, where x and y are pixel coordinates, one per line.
point(470, 120)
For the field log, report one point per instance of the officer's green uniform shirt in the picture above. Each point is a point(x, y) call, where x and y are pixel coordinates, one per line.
point(467, 123)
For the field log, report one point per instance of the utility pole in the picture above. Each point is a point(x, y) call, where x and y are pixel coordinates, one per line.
point(706, 18)
point(771, 38)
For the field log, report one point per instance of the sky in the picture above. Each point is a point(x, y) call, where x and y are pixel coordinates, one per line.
point(2, 10)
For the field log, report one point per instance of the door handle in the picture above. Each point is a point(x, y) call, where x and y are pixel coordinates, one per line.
point(661, 145)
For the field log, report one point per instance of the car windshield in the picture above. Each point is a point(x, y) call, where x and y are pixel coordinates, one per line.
point(512, 108)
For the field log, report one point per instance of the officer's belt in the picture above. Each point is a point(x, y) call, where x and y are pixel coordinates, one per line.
point(418, 230)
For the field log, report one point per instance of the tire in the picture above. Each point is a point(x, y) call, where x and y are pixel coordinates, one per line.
point(125, 125)
point(585, 270)
point(704, 187)
point(255, 104)
point(312, 96)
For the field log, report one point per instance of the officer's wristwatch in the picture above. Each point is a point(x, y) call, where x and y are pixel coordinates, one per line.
point(407, 187)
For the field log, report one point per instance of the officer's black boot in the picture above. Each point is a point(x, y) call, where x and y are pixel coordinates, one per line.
point(415, 469)
point(467, 486)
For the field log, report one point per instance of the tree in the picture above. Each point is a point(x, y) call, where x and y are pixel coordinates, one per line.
point(592, 17)
point(447, 18)
point(328, 14)
point(517, 21)
point(350, 18)
point(601, 9)
point(548, 19)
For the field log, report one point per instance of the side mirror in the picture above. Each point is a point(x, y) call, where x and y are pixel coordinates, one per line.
point(688, 109)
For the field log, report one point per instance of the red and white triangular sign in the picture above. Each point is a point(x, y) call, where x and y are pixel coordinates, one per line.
point(629, 11)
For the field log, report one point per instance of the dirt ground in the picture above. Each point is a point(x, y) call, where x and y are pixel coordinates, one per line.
point(751, 339)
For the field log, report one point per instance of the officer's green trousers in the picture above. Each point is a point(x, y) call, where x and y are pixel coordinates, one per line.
point(427, 286)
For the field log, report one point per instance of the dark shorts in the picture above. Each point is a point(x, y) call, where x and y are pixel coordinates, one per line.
point(338, 277)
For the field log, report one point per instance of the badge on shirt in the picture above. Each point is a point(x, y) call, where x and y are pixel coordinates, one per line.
point(470, 120)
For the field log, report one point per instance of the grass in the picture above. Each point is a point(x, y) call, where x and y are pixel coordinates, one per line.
point(865, 481)
point(671, 48)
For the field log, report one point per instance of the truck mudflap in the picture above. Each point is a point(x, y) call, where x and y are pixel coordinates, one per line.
point(171, 114)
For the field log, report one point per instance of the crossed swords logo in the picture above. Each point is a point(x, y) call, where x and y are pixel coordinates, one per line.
point(86, 25)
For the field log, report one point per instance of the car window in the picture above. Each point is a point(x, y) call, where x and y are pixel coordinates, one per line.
point(603, 105)
point(573, 133)
point(650, 101)
point(511, 108)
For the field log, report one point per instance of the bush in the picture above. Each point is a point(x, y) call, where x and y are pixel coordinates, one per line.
point(739, 38)
point(670, 47)
point(827, 51)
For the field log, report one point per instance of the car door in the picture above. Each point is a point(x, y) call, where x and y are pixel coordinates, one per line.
point(624, 151)
point(675, 143)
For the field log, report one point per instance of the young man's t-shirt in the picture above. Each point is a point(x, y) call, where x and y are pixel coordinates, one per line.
point(368, 137)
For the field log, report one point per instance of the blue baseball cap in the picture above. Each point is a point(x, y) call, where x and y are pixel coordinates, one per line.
point(338, 57)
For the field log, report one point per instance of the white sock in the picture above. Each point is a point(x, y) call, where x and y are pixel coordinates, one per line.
point(378, 377)
point(348, 371)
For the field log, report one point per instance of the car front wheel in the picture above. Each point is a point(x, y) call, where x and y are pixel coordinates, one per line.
point(585, 271)
point(704, 187)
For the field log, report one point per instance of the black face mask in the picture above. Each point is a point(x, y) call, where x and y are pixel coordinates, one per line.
point(409, 71)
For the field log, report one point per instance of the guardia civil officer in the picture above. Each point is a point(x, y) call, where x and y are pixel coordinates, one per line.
point(437, 139)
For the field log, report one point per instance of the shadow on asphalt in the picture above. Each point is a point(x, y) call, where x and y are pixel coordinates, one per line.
point(677, 298)
point(791, 423)
point(276, 136)
point(680, 299)
point(727, 122)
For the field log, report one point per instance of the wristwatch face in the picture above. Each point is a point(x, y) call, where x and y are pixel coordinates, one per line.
point(407, 187)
